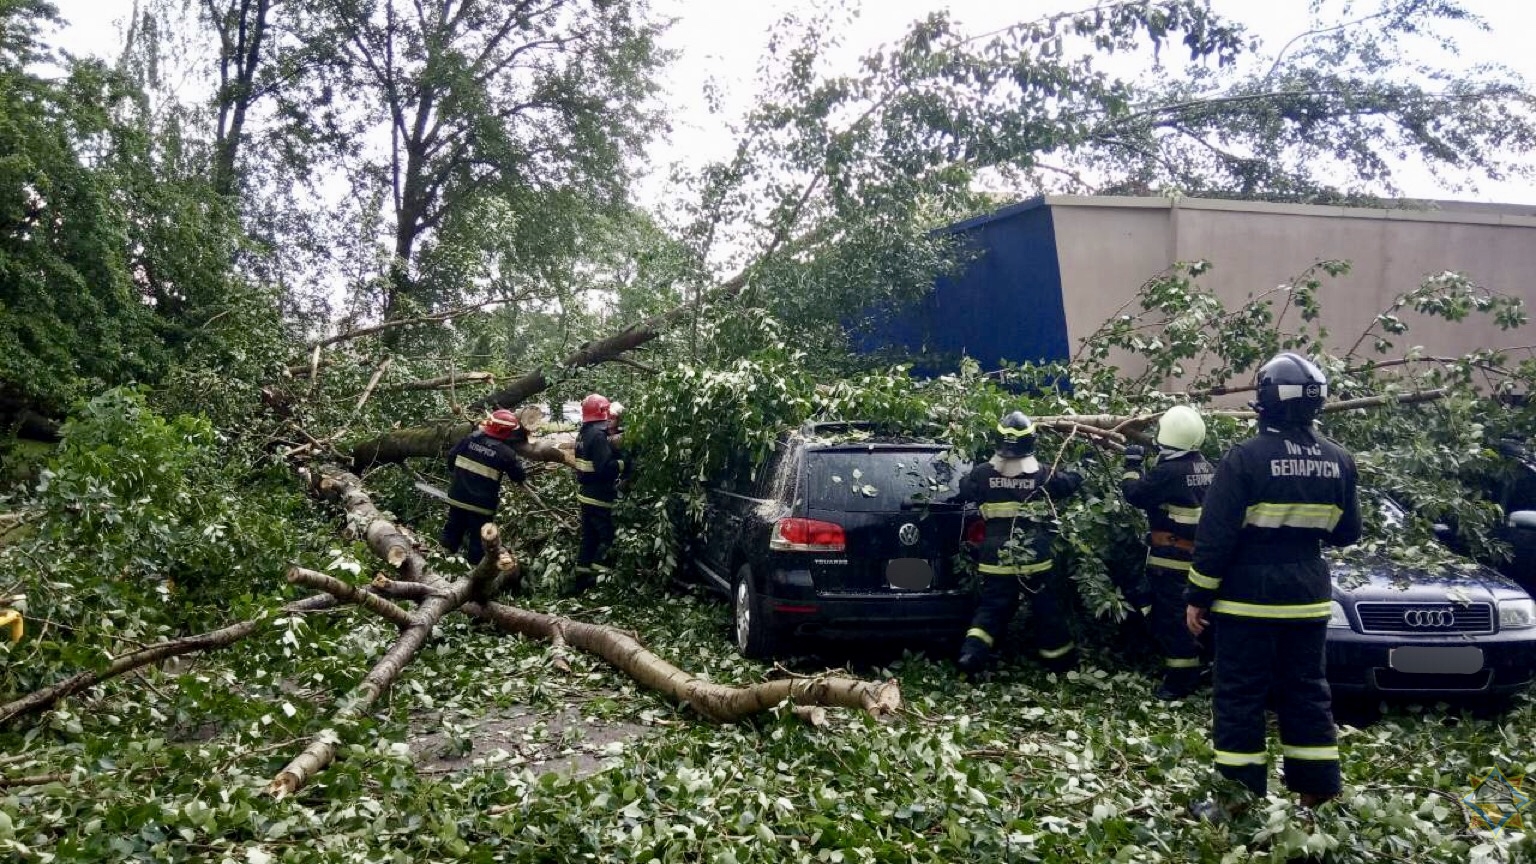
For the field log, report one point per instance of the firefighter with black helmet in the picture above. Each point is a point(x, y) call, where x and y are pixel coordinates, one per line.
point(1017, 497)
point(598, 468)
point(1259, 578)
point(478, 463)
point(1171, 493)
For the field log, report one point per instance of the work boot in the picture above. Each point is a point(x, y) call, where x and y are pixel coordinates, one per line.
point(580, 583)
point(974, 655)
point(1178, 684)
point(1311, 800)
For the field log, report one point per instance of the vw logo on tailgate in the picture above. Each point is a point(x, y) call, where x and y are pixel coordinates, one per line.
point(1427, 618)
point(907, 534)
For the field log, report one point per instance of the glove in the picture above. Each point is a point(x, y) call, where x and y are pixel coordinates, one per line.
point(1135, 454)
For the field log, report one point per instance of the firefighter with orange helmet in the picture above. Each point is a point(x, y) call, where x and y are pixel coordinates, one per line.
point(598, 467)
point(478, 464)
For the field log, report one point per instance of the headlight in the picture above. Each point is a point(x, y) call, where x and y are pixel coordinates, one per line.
point(1514, 614)
point(1336, 616)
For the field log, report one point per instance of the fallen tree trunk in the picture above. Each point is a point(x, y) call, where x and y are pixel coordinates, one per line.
point(223, 637)
point(435, 441)
point(424, 441)
point(720, 702)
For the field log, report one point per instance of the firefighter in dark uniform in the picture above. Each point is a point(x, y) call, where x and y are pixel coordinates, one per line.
point(478, 463)
point(597, 476)
point(1016, 497)
point(1258, 571)
point(1171, 493)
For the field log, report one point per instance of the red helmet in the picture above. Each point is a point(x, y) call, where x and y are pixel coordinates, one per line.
point(502, 424)
point(594, 407)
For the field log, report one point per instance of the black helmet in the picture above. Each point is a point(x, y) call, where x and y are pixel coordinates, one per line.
point(1291, 390)
point(1015, 436)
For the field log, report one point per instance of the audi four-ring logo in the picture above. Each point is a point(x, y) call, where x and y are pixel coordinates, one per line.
point(907, 534)
point(1429, 618)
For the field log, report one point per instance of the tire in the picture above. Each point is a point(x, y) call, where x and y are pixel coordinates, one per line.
point(752, 624)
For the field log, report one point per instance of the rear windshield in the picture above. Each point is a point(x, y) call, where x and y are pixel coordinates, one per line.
point(865, 481)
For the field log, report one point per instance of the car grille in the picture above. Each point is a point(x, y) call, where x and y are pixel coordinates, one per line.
point(1425, 617)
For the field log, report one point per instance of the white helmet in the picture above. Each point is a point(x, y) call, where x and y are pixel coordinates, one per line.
point(1181, 429)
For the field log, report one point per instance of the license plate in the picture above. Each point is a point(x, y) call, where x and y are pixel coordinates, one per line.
point(1426, 660)
point(908, 574)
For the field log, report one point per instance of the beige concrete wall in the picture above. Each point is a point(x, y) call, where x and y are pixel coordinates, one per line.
point(1108, 247)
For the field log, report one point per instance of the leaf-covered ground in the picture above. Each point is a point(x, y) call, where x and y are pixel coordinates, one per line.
point(170, 766)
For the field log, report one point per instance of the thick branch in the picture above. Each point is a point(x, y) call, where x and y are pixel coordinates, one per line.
point(349, 593)
point(1124, 423)
point(719, 702)
point(221, 638)
point(441, 382)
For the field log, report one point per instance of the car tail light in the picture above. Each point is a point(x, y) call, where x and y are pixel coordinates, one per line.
point(975, 530)
point(793, 534)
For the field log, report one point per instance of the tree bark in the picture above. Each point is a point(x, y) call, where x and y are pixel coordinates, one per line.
point(720, 702)
point(434, 442)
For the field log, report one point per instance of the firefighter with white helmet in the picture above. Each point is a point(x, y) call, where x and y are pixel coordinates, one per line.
point(1170, 493)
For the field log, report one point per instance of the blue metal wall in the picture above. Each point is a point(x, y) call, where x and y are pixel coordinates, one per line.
point(1003, 303)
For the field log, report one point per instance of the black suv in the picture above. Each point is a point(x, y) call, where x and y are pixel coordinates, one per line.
point(842, 532)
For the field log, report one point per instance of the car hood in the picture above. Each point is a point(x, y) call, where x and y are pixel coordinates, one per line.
point(1377, 578)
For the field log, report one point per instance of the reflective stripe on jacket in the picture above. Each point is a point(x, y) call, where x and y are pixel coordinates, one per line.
point(1171, 494)
point(1276, 500)
point(597, 467)
point(478, 463)
point(1007, 495)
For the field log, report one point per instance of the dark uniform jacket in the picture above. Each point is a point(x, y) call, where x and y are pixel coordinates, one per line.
point(597, 466)
point(1014, 508)
point(478, 463)
point(1277, 498)
point(1171, 493)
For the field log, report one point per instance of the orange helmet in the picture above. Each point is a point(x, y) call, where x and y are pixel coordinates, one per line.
point(502, 424)
point(594, 407)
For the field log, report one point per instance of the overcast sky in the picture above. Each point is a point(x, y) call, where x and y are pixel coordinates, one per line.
point(723, 40)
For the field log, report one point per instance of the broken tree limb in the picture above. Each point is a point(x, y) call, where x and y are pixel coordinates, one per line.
point(220, 638)
point(393, 588)
point(372, 383)
point(1126, 423)
point(384, 538)
point(349, 593)
point(436, 318)
point(441, 382)
point(622, 650)
point(719, 702)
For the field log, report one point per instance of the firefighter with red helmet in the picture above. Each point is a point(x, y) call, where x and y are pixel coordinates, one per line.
point(598, 467)
point(478, 463)
point(1017, 498)
point(1258, 571)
